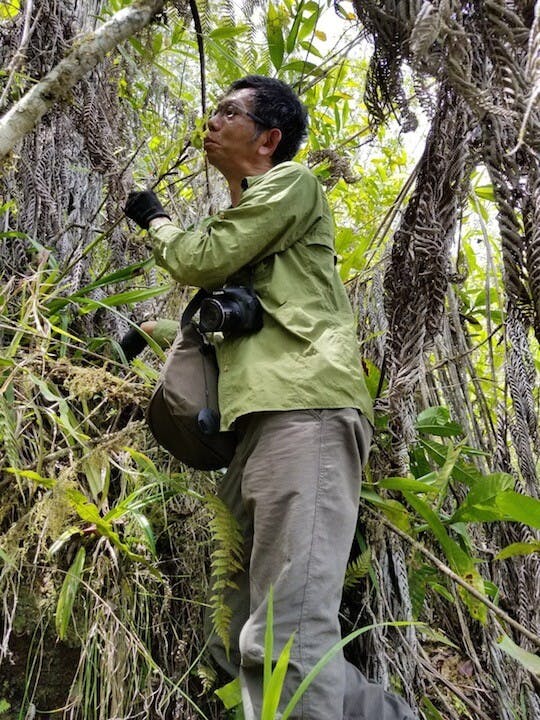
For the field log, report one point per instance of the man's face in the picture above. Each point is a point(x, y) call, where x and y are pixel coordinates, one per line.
point(233, 137)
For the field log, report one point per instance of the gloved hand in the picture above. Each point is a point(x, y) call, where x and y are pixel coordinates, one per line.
point(133, 343)
point(143, 206)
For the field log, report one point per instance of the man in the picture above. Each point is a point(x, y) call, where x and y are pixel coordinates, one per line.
point(293, 391)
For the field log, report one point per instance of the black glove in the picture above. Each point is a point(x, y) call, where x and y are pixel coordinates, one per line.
point(133, 343)
point(144, 206)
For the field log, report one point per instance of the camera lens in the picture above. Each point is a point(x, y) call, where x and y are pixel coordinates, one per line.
point(211, 316)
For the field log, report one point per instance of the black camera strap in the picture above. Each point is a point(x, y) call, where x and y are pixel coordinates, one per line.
point(193, 305)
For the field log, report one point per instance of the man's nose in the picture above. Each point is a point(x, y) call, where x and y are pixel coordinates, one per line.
point(213, 122)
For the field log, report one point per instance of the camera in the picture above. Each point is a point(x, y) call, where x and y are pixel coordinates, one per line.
point(232, 311)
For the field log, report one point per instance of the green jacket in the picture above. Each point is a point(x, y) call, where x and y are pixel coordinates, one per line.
point(282, 234)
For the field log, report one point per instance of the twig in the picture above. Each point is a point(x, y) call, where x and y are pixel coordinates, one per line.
point(200, 45)
point(428, 667)
point(457, 579)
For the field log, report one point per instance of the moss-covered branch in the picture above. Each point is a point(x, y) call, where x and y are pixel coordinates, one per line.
point(85, 54)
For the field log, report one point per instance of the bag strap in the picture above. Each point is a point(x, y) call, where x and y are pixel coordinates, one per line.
point(193, 305)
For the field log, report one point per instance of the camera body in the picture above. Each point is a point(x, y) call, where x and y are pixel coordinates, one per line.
point(232, 311)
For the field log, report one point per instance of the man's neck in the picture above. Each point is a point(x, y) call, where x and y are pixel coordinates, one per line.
point(235, 183)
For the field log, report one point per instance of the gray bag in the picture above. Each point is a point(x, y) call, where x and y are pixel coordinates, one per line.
point(183, 412)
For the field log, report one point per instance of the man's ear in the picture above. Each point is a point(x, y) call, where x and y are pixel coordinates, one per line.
point(270, 142)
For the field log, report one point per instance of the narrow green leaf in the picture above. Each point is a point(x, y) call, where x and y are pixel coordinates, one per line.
point(274, 689)
point(430, 710)
point(145, 525)
point(97, 469)
point(268, 641)
point(128, 297)
point(528, 660)
point(59, 543)
point(458, 558)
point(123, 275)
point(467, 474)
point(518, 549)
point(68, 592)
point(34, 476)
point(303, 67)
point(306, 682)
point(293, 33)
point(274, 36)
point(307, 29)
point(485, 192)
point(227, 32)
point(399, 483)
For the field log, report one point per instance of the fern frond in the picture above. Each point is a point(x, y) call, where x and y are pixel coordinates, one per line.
point(226, 561)
point(358, 569)
point(8, 429)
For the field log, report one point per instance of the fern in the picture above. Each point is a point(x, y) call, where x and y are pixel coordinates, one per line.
point(8, 428)
point(358, 569)
point(226, 561)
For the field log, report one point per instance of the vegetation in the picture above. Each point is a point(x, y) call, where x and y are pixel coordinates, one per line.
point(105, 541)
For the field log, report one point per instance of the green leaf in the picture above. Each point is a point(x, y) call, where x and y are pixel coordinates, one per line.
point(400, 483)
point(485, 192)
point(307, 28)
point(394, 510)
point(520, 548)
point(226, 32)
point(528, 660)
point(357, 569)
point(128, 297)
point(430, 710)
point(274, 36)
point(62, 540)
point(458, 559)
point(268, 641)
point(506, 505)
point(9, 9)
point(68, 592)
point(4, 706)
point(520, 508)
point(306, 682)
point(230, 694)
point(293, 33)
point(302, 67)
point(275, 686)
point(97, 469)
point(465, 473)
point(436, 421)
point(144, 523)
point(125, 274)
point(5, 558)
point(34, 476)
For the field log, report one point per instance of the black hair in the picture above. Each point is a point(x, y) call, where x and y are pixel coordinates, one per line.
point(278, 105)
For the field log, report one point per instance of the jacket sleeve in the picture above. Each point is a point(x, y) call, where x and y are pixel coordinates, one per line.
point(276, 210)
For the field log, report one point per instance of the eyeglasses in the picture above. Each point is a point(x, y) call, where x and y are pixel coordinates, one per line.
point(229, 111)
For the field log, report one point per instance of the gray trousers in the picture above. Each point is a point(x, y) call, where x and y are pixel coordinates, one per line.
point(293, 486)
